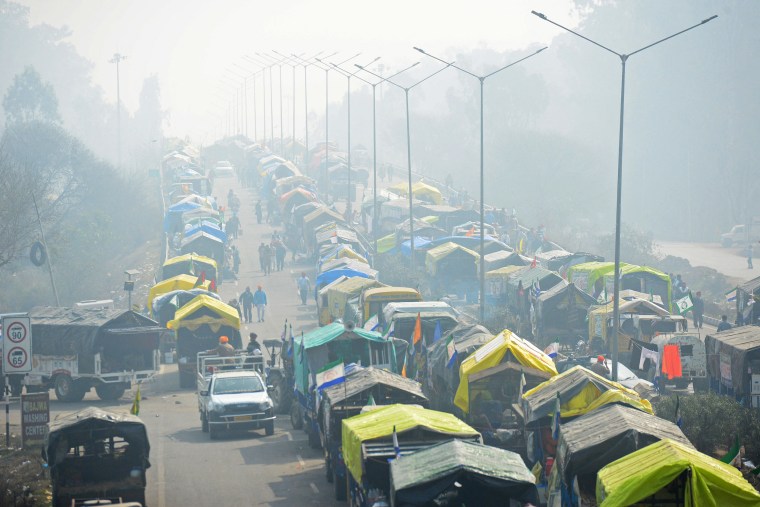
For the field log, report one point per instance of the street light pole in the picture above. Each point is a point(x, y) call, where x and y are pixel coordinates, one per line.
point(481, 81)
point(406, 90)
point(623, 59)
point(117, 59)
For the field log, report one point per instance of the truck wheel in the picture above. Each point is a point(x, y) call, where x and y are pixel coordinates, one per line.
point(269, 428)
point(700, 384)
point(279, 398)
point(340, 486)
point(110, 392)
point(682, 383)
point(329, 475)
point(67, 390)
point(314, 442)
point(295, 417)
point(204, 423)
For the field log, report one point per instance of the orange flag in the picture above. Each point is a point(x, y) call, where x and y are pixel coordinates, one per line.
point(417, 335)
point(471, 232)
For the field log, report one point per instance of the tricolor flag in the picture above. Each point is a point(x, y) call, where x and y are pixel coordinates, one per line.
point(396, 447)
point(417, 334)
point(451, 352)
point(372, 323)
point(552, 350)
point(388, 333)
point(135, 410)
point(731, 295)
point(437, 334)
point(403, 368)
point(333, 373)
point(556, 420)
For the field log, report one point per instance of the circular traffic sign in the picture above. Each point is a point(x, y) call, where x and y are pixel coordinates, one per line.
point(16, 332)
point(17, 357)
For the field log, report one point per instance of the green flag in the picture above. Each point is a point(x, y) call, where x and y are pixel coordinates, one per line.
point(684, 304)
point(732, 456)
point(371, 401)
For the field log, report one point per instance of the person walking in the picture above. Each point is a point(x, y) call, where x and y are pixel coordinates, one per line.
point(698, 309)
point(262, 255)
point(279, 254)
point(260, 302)
point(304, 286)
point(723, 325)
point(235, 259)
point(246, 298)
point(258, 212)
point(265, 257)
point(749, 256)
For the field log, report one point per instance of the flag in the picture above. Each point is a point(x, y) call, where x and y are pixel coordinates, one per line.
point(417, 335)
point(471, 232)
point(301, 350)
point(291, 342)
point(331, 374)
point(437, 334)
point(371, 401)
point(536, 289)
point(403, 368)
point(651, 296)
point(372, 323)
point(284, 330)
point(534, 262)
point(198, 283)
point(523, 382)
point(552, 350)
point(556, 420)
point(679, 421)
point(731, 295)
point(451, 352)
point(388, 333)
point(684, 304)
point(733, 457)
point(213, 286)
point(396, 447)
point(135, 410)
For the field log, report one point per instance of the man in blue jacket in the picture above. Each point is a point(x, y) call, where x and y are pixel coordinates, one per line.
point(260, 302)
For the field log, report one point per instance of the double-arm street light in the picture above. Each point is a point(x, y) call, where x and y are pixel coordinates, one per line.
point(406, 90)
point(265, 66)
point(278, 63)
point(623, 59)
point(306, 63)
point(252, 76)
point(348, 76)
point(481, 80)
point(244, 93)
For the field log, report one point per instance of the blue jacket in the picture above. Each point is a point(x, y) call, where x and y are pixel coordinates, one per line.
point(259, 297)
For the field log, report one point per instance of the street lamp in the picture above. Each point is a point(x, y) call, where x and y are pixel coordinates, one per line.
point(406, 90)
point(267, 65)
point(244, 108)
point(129, 285)
point(348, 76)
point(117, 59)
point(252, 76)
point(481, 80)
point(623, 59)
point(278, 63)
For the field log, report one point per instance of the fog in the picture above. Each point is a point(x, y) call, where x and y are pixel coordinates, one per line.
point(551, 122)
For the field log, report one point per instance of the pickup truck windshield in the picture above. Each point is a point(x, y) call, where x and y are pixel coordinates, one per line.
point(237, 385)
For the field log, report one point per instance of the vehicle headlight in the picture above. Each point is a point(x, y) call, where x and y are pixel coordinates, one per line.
point(266, 405)
point(215, 407)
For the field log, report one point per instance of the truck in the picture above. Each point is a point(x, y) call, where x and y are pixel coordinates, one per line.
point(232, 395)
point(742, 233)
point(75, 350)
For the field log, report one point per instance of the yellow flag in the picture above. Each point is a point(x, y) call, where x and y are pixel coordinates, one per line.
point(135, 410)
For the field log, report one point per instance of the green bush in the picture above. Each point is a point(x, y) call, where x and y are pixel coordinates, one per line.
point(712, 421)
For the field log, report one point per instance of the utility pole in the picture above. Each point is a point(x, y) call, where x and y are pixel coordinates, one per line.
point(117, 58)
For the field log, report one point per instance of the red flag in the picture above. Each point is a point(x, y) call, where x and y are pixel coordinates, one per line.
point(203, 277)
point(471, 232)
point(417, 335)
point(213, 286)
point(534, 263)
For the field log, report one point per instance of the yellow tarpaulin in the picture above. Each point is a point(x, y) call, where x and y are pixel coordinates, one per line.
point(379, 423)
point(179, 282)
point(344, 251)
point(436, 254)
point(420, 190)
point(227, 315)
point(491, 354)
point(386, 243)
point(646, 472)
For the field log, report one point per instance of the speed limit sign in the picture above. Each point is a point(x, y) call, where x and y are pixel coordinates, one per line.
point(17, 344)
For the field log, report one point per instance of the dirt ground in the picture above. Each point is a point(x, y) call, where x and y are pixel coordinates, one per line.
point(24, 481)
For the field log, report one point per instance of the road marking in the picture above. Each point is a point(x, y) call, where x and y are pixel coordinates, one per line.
point(314, 488)
point(301, 461)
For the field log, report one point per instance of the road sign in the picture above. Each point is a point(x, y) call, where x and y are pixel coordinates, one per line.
point(17, 345)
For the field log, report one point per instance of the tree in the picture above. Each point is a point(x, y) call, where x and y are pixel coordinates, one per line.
point(30, 99)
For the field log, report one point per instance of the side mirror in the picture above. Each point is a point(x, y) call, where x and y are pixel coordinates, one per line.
point(269, 387)
point(204, 392)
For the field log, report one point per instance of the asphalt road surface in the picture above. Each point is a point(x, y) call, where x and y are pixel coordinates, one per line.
point(728, 261)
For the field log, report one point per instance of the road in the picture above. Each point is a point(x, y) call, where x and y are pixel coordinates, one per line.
point(728, 261)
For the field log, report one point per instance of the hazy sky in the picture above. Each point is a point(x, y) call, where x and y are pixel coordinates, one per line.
point(189, 44)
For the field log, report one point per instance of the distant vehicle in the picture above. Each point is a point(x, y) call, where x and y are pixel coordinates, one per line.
point(232, 395)
point(738, 234)
point(224, 169)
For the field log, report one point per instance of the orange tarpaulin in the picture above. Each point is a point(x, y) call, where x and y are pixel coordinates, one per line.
point(671, 361)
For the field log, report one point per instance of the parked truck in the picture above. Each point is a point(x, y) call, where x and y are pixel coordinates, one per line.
point(74, 350)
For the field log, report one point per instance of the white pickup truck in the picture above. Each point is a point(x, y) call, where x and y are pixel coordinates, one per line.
point(232, 395)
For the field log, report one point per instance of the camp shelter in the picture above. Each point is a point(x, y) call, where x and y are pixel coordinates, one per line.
point(205, 244)
point(472, 242)
point(204, 201)
point(420, 190)
point(733, 362)
point(475, 473)
point(284, 169)
point(386, 243)
point(383, 386)
point(339, 295)
point(323, 309)
point(285, 185)
point(173, 216)
point(202, 212)
point(164, 307)
point(374, 300)
point(592, 441)
point(416, 307)
point(269, 161)
point(205, 310)
point(594, 277)
point(524, 286)
point(422, 228)
point(580, 391)
point(328, 276)
point(639, 319)
point(325, 344)
point(343, 262)
point(670, 473)
point(748, 302)
point(563, 263)
point(198, 326)
point(415, 427)
point(501, 258)
point(561, 313)
point(179, 282)
point(472, 229)
point(505, 347)
point(298, 213)
point(343, 251)
point(420, 244)
point(205, 226)
point(319, 217)
point(450, 259)
point(403, 324)
point(330, 234)
point(190, 264)
point(496, 282)
point(296, 197)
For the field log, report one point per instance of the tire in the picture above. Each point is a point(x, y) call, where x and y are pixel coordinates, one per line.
point(110, 392)
point(269, 428)
point(279, 398)
point(295, 417)
point(700, 384)
point(682, 383)
point(314, 442)
point(204, 423)
point(67, 390)
point(340, 485)
point(329, 475)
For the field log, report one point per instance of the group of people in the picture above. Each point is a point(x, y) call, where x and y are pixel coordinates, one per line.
point(249, 300)
point(272, 256)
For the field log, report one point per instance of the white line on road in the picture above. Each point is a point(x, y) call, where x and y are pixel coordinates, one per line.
point(301, 461)
point(314, 488)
